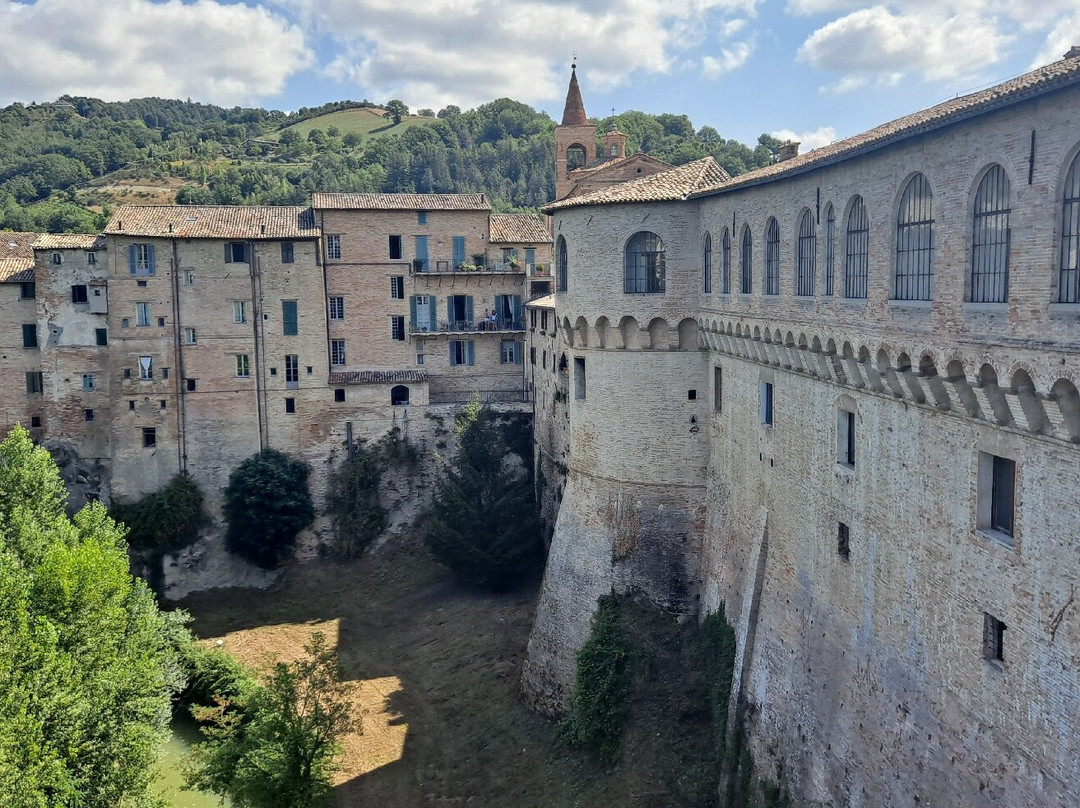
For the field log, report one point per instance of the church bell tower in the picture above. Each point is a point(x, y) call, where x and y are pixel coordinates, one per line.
point(575, 138)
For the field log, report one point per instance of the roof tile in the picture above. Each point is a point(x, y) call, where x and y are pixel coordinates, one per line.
point(247, 222)
point(400, 202)
point(672, 185)
point(69, 241)
point(17, 256)
point(518, 228)
point(378, 376)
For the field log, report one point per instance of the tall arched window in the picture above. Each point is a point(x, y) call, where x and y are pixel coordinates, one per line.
point(644, 264)
point(830, 250)
point(856, 250)
point(1069, 281)
point(746, 260)
point(806, 256)
point(990, 239)
point(725, 264)
point(707, 262)
point(914, 241)
point(772, 258)
point(560, 264)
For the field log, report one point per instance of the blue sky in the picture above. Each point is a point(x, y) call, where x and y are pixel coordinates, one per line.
point(810, 69)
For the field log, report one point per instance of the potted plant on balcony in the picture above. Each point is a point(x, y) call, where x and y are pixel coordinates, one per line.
point(540, 269)
point(418, 264)
point(479, 259)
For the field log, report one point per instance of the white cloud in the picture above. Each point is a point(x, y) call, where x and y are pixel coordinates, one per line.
point(822, 136)
point(470, 51)
point(1060, 39)
point(846, 85)
point(729, 59)
point(225, 54)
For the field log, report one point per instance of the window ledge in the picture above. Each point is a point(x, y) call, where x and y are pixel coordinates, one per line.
point(910, 304)
point(852, 302)
point(997, 537)
point(995, 665)
point(987, 308)
point(848, 468)
point(1064, 309)
point(804, 300)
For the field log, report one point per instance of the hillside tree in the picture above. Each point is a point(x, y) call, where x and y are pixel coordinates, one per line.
point(395, 111)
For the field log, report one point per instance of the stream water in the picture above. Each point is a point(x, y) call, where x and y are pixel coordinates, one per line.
point(169, 785)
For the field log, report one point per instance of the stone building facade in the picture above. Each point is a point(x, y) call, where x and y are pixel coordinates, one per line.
point(839, 396)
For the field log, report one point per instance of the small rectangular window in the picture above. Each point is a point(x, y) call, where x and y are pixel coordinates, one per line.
point(843, 542)
point(91, 258)
point(149, 436)
point(191, 385)
point(691, 395)
point(236, 252)
point(333, 248)
point(35, 381)
point(239, 311)
point(337, 308)
point(845, 438)
point(27, 290)
point(397, 287)
point(993, 639)
point(125, 322)
point(163, 404)
point(57, 258)
point(339, 394)
point(421, 217)
point(290, 320)
point(78, 293)
point(337, 352)
point(718, 389)
point(146, 367)
point(508, 352)
point(189, 336)
point(127, 373)
point(161, 322)
point(164, 373)
point(397, 327)
point(243, 367)
point(292, 370)
point(29, 335)
point(287, 252)
point(88, 415)
point(142, 314)
point(101, 336)
point(765, 403)
point(290, 405)
point(395, 248)
point(532, 355)
point(131, 404)
point(189, 277)
point(35, 422)
point(996, 496)
point(89, 383)
point(579, 377)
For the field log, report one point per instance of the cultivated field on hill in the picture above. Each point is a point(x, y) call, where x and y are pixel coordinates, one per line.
point(366, 122)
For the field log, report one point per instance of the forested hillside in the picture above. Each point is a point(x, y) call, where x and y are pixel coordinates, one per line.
point(63, 165)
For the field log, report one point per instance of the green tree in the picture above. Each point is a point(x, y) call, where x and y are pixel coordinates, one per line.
point(279, 750)
point(352, 498)
point(88, 665)
point(483, 523)
point(395, 111)
point(267, 503)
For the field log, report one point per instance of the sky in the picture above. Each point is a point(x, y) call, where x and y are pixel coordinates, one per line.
point(811, 70)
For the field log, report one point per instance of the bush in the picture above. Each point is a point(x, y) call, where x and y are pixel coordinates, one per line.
point(483, 523)
point(352, 499)
point(165, 520)
point(213, 675)
point(267, 504)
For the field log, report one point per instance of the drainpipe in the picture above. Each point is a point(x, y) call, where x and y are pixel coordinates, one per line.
point(320, 255)
point(256, 325)
point(181, 385)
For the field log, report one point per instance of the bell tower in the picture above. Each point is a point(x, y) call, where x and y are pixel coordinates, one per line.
point(575, 138)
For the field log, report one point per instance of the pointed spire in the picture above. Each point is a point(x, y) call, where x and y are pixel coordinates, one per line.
point(574, 111)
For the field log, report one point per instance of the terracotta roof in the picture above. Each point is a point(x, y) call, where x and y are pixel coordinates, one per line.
point(378, 376)
point(604, 163)
point(668, 186)
point(70, 241)
point(574, 111)
point(16, 256)
point(1055, 76)
point(518, 228)
point(400, 202)
point(545, 302)
point(248, 222)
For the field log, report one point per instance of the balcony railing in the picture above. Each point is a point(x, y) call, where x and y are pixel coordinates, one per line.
point(440, 266)
point(467, 326)
point(538, 270)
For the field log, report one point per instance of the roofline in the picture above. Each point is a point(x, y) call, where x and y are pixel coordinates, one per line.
point(994, 105)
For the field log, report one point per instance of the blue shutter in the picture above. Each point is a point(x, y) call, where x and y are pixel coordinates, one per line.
point(228, 253)
point(530, 255)
point(468, 310)
point(289, 319)
point(433, 323)
point(412, 309)
point(470, 355)
point(421, 250)
point(515, 303)
point(131, 258)
point(150, 259)
point(449, 309)
point(519, 350)
point(452, 343)
point(459, 251)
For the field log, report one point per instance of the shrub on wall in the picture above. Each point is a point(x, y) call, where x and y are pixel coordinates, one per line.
point(267, 504)
point(164, 520)
point(352, 498)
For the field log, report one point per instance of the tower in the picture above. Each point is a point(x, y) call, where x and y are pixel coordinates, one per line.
point(614, 143)
point(575, 138)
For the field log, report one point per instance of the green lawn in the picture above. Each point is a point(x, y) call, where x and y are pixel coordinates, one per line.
point(364, 122)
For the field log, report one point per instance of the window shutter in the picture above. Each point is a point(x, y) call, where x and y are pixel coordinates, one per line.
point(289, 318)
point(516, 303)
point(412, 310)
point(470, 355)
point(451, 343)
point(150, 259)
point(131, 258)
point(519, 351)
point(433, 322)
point(421, 247)
point(228, 253)
point(459, 250)
point(468, 310)
point(450, 308)
point(530, 255)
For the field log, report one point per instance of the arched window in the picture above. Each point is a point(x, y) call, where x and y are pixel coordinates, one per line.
point(806, 257)
point(644, 264)
point(1069, 282)
point(725, 264)
point(772, 258)
point(399, 395)
point(914, 241)
point(575, 157)
point(746, 259)
point(707, 261)
point(990, 239)
point(560, 265)
point(856, 250)
point(830, 250)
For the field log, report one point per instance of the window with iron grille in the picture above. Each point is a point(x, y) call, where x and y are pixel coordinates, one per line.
point(337, 308)
point(1069, 279)
point(725, 263)
point(856, 250)
point(644, 264)
point(830, 250)
point(806, 257)
point(746, 260)
point(333, 248)
point(707, 264)
point(560, 265)
point(914, 242)
point(397, 287)
point(993, 639)
point(337, 352)
point(990, 239)
point(771, 285)
point(397, 327)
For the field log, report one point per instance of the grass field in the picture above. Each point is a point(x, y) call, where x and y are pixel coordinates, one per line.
point(436, 672)
point(367, 122)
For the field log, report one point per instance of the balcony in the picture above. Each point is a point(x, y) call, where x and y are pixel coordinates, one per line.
point(538, 270)
point(447, 327)
point(439, 266)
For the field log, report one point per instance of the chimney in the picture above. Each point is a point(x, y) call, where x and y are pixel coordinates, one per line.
point(1073, 52)
point(787, 151)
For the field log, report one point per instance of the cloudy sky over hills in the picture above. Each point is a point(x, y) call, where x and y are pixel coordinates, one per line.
point(815, 69)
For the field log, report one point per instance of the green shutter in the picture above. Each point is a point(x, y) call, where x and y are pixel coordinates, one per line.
point(459, 251)
point(530, 255)
point(519, 350)
point(515, 304)
point(422, 249)
point(150, 259)
point(451, 343)
point(468, 310)
point(449, 308)
point(470, 355)
point(433, 322)
point(131, 258)
point(412, 309)
point(289, 319)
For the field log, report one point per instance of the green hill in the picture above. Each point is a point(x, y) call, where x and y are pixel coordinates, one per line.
point(366, 122)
